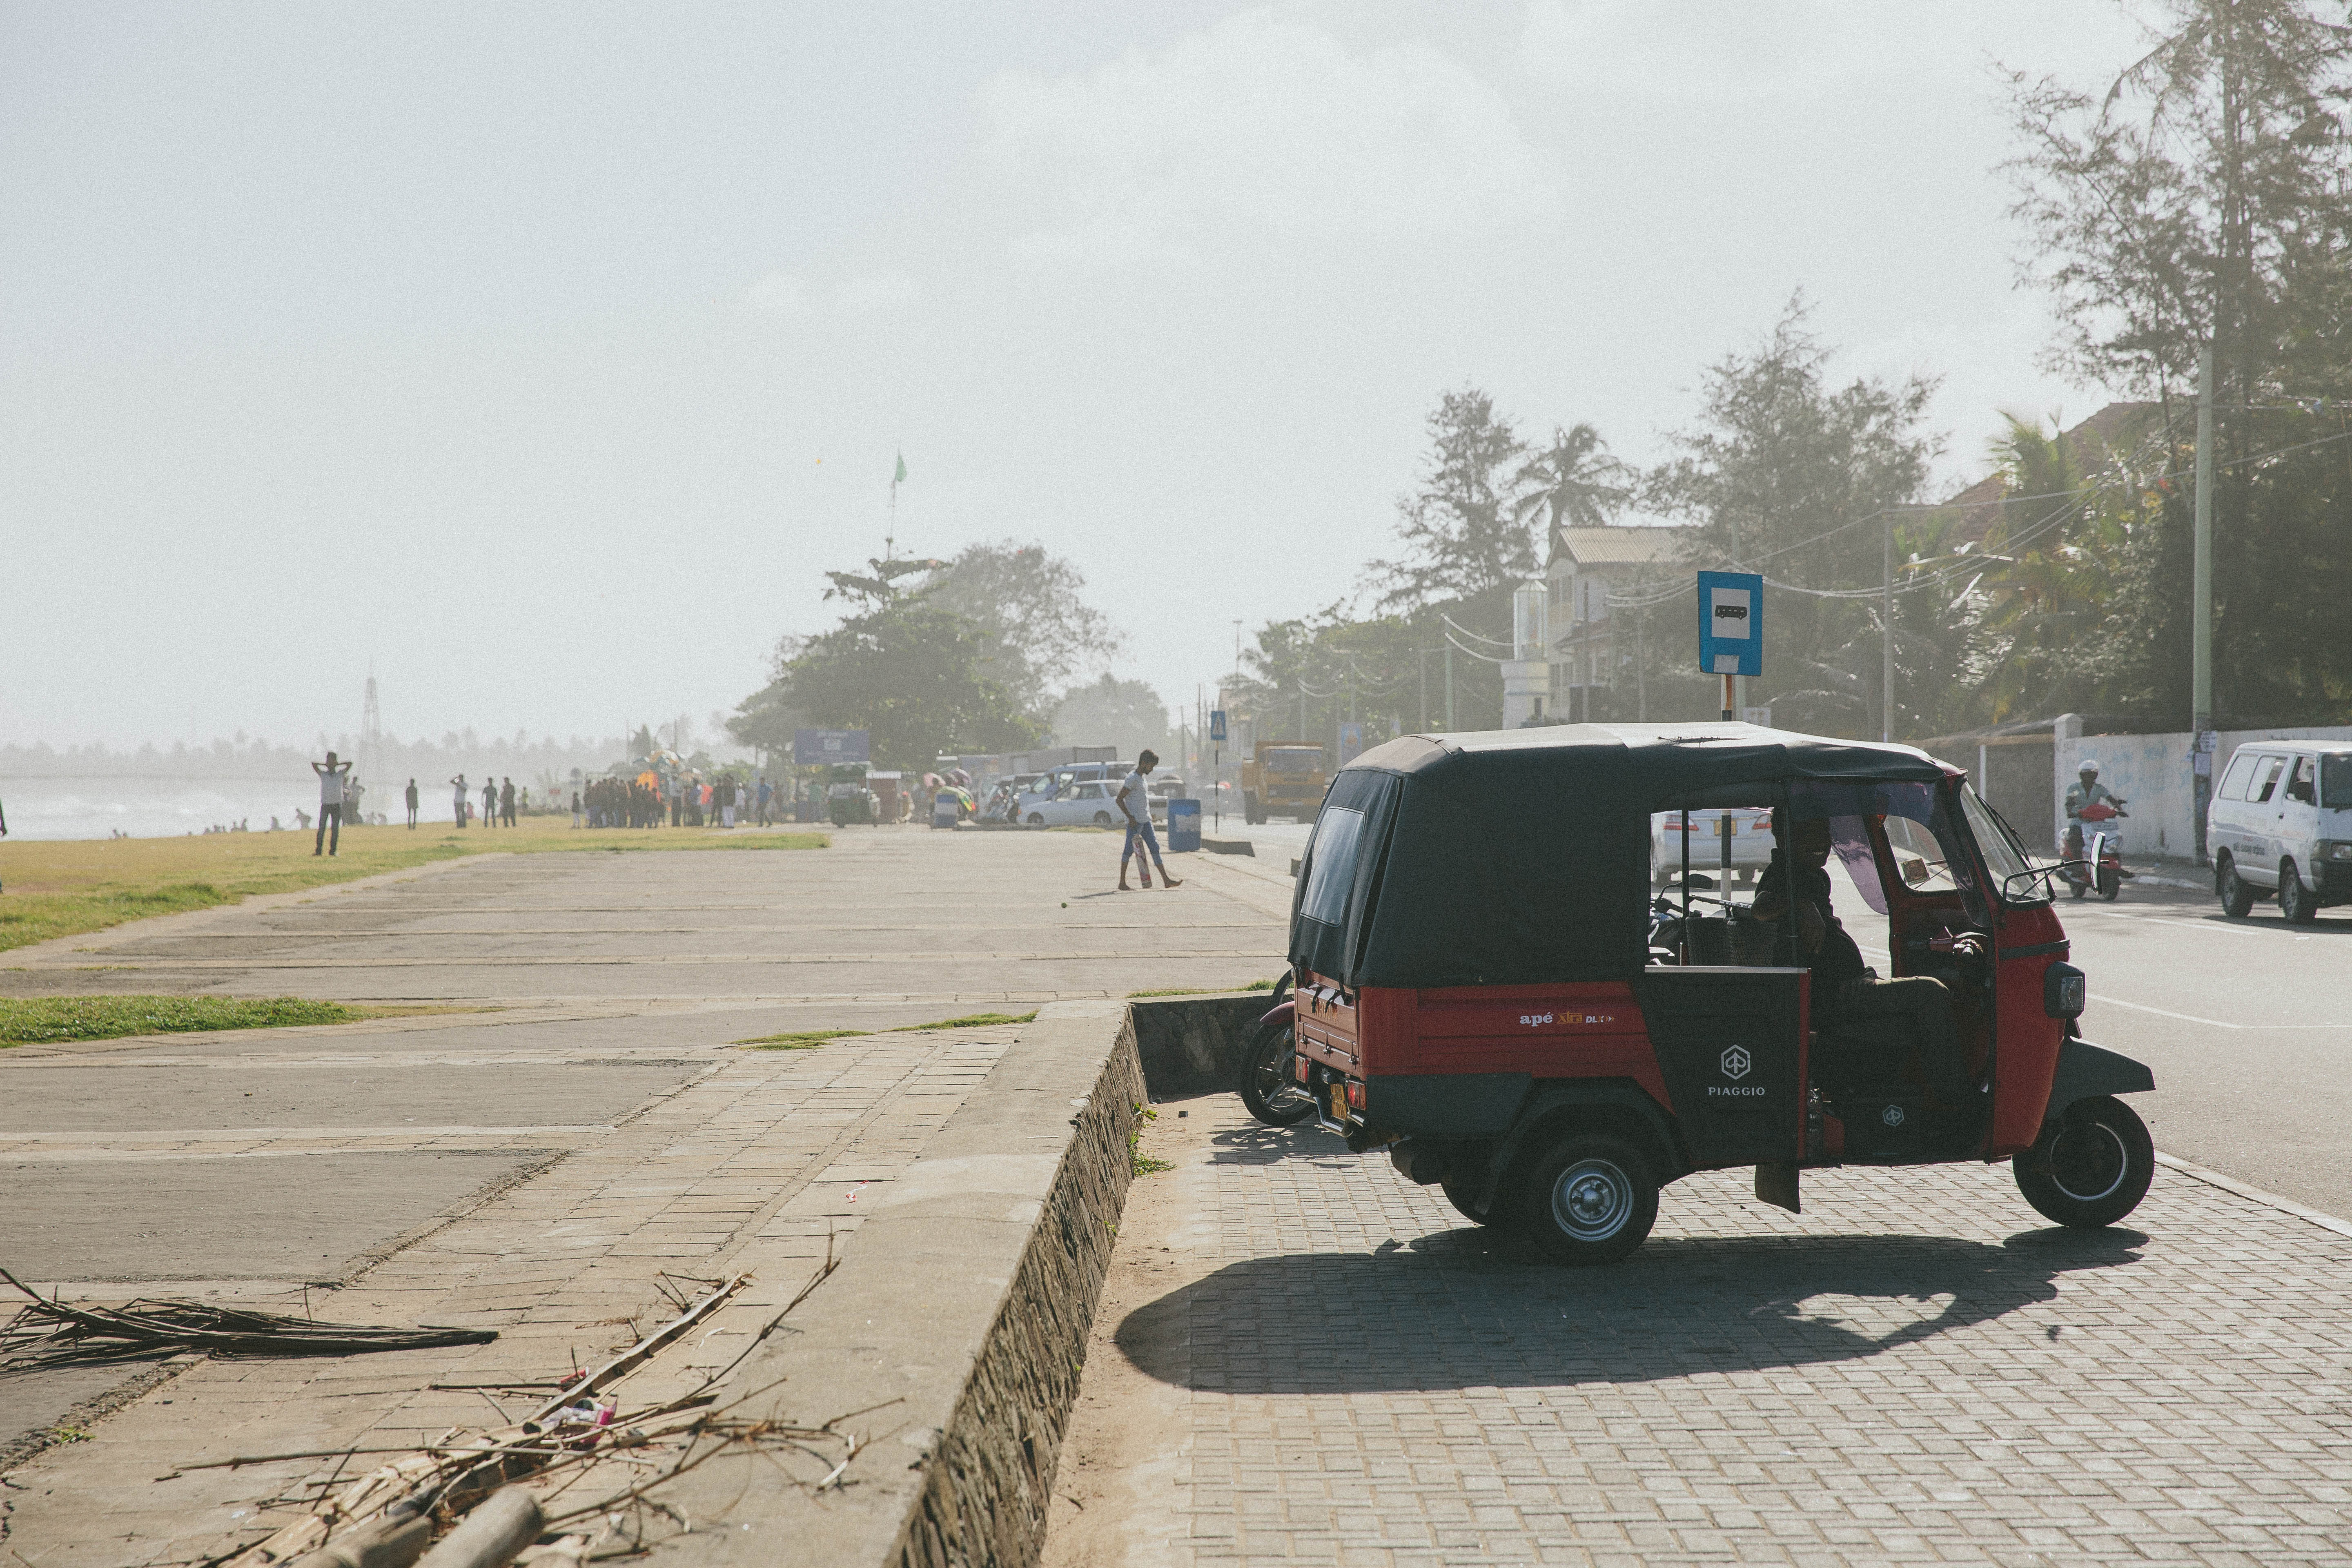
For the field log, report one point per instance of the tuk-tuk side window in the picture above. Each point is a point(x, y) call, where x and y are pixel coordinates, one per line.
point(1850, 841)
point(1919, 861)
point(1332, 873)
point(2242, 773)
point(2269, 785)
point(2336, 781)
point(2302, 784)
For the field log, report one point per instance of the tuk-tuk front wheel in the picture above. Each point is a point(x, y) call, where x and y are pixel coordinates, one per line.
point(1590, 1199)
point(2091, 1166)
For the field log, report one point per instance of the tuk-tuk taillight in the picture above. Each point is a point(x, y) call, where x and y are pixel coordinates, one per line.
point(1356, 1093)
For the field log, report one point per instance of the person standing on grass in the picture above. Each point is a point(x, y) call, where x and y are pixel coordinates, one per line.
point(331, 774)
point(411, 803)
point(491, 802)
point(459, 802)
point(507, 803)
point(1134, 801)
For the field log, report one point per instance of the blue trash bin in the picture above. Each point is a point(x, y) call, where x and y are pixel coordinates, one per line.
point(1184, 826)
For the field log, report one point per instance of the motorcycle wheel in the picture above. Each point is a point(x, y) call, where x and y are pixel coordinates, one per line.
point(1268, 1086)
point(2110, 884)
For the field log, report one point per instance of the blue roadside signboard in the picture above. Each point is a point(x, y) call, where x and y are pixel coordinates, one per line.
point(1217, 726)
point(1351, 743)
point(812, 747)
point(1731, 623)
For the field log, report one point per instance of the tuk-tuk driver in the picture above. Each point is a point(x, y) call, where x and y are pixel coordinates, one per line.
point(1846, 991)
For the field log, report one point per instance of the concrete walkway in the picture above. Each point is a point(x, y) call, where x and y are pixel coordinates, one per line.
point(1303, 1358)
point(537, 1166)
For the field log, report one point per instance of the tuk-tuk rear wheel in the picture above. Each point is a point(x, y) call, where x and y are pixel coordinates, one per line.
point(2091, 1166)
point(1267, 1088)
point(1462, 1192)
point(1589, 1199)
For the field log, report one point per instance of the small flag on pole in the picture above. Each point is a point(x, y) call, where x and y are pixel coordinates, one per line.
point(900, 477)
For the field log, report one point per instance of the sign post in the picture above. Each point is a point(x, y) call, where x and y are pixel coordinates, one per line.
point(1730, 644)
point(1730, 627)
point(1217, 766)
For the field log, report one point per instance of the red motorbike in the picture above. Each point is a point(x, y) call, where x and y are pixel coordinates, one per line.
point(2101, 867)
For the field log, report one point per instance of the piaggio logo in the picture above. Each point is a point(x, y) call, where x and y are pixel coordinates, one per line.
point(1892, 1116)
point(1735, 1062)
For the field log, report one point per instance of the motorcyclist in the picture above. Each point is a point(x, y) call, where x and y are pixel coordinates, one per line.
point(2080, 795)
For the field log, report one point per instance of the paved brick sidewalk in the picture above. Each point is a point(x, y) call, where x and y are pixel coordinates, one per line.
point(1916, 1370)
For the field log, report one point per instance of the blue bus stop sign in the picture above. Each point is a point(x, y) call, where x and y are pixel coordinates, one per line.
point(1731, 623)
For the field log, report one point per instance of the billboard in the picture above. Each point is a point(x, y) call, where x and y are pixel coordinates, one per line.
point(812, 748)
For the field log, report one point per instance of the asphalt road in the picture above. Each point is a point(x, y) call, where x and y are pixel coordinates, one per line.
point(2248, 1025)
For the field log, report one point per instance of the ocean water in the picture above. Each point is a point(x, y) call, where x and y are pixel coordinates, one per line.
point(97, 807)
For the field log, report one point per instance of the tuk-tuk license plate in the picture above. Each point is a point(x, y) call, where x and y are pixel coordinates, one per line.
point(1340, 1104)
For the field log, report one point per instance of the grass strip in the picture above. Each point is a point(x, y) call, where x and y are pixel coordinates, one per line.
point(58, 888)
point(805, 1040)
point(40, 1020)
point(1203, 990)
point(979, 1020)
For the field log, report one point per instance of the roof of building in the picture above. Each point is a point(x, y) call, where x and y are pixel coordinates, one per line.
point(1618, 546)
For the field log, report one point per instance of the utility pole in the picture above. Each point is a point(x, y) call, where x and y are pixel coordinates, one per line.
point(2200, 699)
point(1449, 686)
point(1887, 636)
point(2202, 660)
point(1420, 661)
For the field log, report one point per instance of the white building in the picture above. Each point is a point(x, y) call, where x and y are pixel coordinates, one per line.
point(1592, 646)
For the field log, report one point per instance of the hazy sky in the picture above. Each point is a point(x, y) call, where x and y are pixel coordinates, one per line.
point(544, 355)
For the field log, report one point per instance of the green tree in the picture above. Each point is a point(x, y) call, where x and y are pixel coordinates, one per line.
point(2205, 198)
point(1574, 482)
point(1128, 714)
point(1467, 540)
point(1031, 601)
point(1787, 474)
point(921, 678)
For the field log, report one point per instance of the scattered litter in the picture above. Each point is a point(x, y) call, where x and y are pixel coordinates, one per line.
point(47, 1333)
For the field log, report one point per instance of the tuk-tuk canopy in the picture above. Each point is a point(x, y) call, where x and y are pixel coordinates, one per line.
point(1522, 856)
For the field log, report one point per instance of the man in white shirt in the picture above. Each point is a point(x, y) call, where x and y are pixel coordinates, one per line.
point(331, 774)
point(1135, 803)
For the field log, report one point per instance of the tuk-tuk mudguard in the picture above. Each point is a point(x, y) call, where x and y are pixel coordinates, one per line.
point(1618, 1099)
point(2086, 1071)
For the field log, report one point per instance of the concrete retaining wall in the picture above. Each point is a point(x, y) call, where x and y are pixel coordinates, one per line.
point(955, 1325)
point(1191, 1045)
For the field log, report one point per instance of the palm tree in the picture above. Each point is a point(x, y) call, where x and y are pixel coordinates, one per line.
point(1574, 482)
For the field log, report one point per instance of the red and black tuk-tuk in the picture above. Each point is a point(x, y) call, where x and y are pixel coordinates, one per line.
point(1477, 986)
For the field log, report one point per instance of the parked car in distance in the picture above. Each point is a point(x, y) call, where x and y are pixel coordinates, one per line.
point(2280, 826)
point(1751, 846)
point(1080, 803)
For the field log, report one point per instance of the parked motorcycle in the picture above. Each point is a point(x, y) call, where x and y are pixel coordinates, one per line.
point(1269, 1082)
point(2101, 867)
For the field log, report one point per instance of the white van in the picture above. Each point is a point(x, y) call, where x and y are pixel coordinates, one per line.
point(2280, 827)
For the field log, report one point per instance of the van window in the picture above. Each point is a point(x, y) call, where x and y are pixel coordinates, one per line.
point(2336, 781)
point(2271, 767)
point(2241, 770)
point(2302, 784)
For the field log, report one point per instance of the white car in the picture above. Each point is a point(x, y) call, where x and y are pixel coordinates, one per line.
point(1751, 845)
point(1079, 803)
point(2280, 826)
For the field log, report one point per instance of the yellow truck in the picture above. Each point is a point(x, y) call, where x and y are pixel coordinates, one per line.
point(1282, 778)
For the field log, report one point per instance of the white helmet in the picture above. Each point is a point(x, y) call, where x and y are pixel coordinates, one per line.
point(2090, 766)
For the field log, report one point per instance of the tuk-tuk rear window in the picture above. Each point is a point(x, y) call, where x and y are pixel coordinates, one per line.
point(1339, 837)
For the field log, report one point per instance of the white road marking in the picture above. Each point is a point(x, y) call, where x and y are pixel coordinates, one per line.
point(2209, 1023)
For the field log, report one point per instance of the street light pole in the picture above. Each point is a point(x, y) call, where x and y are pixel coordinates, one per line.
point(2202, 617)
point(1449, 686)
point(1887, 636)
